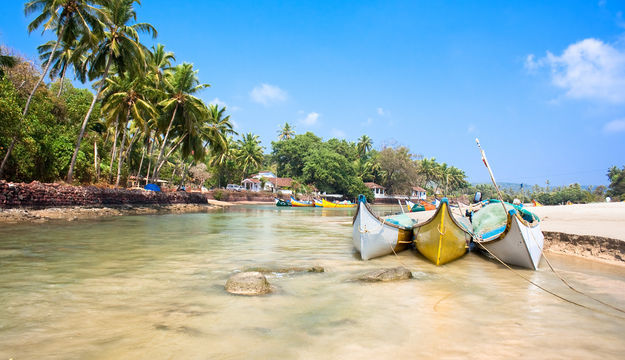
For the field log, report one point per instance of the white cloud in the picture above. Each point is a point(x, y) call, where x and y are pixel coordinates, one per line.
point(268, 94)
point(588, 69)
point(311, 118)
point(381, 111)
point(615, 126)
point(218, 102)
point(339, 134)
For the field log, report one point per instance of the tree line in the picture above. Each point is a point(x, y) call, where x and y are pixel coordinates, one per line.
point(145, 118)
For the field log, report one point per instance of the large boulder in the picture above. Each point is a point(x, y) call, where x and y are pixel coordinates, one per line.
point(248, 283)
point(392, 274)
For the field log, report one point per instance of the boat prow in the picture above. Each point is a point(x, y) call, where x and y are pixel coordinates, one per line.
point(518, 243)
point(442, 238)
point(374, 236)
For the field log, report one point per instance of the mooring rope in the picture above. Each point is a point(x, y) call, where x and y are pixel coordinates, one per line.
point(557, 274)
point(545, 289)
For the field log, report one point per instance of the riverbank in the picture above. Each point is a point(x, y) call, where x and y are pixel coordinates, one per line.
point(72, 213)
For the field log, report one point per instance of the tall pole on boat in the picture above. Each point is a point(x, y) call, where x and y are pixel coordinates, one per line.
point(492, 177)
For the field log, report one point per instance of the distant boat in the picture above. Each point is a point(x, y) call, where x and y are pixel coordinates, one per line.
point(412, 207)
point(519, 242)
point(280, 202)
point(318, 203)
point(327, 204)
point(374, 236)
point(442, 238)
point(295, 202)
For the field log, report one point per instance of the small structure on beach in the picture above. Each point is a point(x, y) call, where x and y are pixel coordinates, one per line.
point(271, 183)
point(378, 190)
point(418, 193)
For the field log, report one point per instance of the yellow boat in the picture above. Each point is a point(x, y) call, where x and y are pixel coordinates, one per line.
point(327, 204)
point(296, 203)
point(442, 238)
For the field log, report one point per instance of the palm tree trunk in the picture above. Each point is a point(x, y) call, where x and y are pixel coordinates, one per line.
point(160, 155)
point(119, 159)
point(121, 148)
point(58, 93)
point(151, 146)
point(114, 150)
point(140, 164)
point(157, 166)
point(70, 172)
point(95, 159)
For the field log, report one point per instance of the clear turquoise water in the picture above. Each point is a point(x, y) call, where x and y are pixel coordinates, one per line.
point(151, 287)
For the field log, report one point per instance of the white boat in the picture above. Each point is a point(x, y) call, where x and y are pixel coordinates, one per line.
point(374, 236)
point(518, 242)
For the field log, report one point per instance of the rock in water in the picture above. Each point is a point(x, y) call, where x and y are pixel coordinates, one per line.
point(248, 283)
point(392, 274)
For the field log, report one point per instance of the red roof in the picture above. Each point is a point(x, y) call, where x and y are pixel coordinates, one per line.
point(256, 181)
point(372, 185)
point(281, 182)
point(418, 188)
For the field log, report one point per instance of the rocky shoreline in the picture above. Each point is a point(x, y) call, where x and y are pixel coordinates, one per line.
point(8, 216)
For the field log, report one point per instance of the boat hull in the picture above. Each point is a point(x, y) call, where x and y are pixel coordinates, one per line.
point(442, 238)
point(519, 243)
point(327, 204)
point(373, 237)
point(296, 203)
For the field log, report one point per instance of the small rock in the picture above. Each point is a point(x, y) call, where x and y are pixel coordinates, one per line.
point(248, 283)
point(316, 269)
point(392, 274)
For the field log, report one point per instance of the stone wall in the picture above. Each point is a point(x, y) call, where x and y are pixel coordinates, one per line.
point(38, 195)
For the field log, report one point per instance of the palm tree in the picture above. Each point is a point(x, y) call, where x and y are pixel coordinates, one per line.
point(70, 19)
point(429, 169)
point(180, 86)
point(364, 145)
point(159, 62)
point(127, 98)
point(249, 155)
point(286, 132)
point(64, 57)
point(119, 45)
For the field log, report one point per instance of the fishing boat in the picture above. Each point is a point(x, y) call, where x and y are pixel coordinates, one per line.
point(374, 236)
point(327, 204)
point(443, 237)
point(295, 202)
point(412, 207)
point(318, 203)
point(519, 242)
point(280, 202)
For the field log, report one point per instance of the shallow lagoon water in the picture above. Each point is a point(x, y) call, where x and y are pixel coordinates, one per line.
point(151, 287)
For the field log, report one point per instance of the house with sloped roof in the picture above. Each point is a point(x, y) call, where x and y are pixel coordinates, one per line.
point(378, 190)
point(273, 184)
point(418, 193)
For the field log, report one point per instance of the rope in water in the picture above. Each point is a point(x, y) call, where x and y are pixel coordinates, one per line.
point(571, 286)
point(543, 288)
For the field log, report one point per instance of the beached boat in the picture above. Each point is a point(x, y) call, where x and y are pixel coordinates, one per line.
point(374, 236)
point(327, 204)
point(318, 203)
point(519, 242)
point(295, 202)
point(412, 207)
point(280, 202)
point(443, 237)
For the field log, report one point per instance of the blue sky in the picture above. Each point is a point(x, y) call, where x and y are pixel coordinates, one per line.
point(541, 84)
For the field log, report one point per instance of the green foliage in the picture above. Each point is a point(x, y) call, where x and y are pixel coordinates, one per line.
point(290, 154)
point(218, 194)
point(617, 182)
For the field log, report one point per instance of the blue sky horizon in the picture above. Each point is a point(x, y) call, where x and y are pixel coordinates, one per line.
point(541, 84)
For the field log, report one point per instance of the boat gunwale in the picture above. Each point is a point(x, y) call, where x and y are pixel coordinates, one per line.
point(508, 227)
point(438, 209)
point(381, 220)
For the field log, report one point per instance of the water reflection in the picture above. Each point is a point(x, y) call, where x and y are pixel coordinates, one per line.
point(151, 287)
